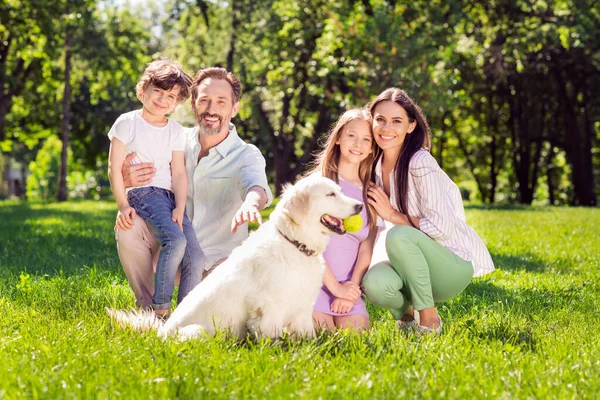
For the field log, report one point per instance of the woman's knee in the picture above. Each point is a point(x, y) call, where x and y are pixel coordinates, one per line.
point(381, 282)
point(400, 234)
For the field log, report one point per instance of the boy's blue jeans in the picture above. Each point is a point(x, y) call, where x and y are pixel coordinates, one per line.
point(156, 206)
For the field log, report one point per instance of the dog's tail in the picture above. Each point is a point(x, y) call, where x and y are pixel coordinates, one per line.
point(138, 320)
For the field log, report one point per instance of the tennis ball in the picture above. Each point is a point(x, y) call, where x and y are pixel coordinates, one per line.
point(353, 223)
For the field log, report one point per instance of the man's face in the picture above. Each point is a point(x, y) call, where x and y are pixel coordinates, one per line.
point(214, 107)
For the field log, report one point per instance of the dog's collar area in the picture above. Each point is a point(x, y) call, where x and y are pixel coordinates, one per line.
point(300, 246)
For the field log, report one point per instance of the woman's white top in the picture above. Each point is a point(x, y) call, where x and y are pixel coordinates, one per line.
point(436, 201)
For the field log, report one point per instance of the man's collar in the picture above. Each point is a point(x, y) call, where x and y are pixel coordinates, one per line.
point(226, 144)
point(300, 246)
point(229, 142)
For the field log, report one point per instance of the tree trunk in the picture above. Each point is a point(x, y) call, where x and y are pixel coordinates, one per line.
point(61, 194)
point(282, 155)
point(233, 39)
point(549, 178)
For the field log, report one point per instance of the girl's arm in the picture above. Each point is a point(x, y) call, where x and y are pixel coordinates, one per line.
point(116, 155)
point(348, 290)
point(365, 252)
point(179, 178)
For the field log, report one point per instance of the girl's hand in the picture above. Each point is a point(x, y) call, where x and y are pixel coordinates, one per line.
point(341, 306)
point(177, 216)
point(125, 218)
point(381, 202)
point(347, 290)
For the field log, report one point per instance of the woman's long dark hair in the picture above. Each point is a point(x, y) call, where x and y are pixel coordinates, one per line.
point(419, 138)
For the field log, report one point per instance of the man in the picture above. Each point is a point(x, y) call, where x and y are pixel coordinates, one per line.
point(227, 185)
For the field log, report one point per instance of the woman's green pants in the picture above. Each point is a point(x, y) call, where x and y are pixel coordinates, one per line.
point(420, 271)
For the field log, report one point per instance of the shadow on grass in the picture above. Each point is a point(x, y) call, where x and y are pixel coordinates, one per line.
point(522, 262)
point(49, 239)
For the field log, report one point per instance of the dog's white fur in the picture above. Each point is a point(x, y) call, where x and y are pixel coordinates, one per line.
point(267, 286)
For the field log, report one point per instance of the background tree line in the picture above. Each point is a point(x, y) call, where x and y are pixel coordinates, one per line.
point(510, 87)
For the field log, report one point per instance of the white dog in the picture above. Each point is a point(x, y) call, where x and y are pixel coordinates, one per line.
point(269, 284)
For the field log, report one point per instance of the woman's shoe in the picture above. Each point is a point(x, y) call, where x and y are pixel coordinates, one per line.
point(425, 330)
point(406, 326)
point(411, 325)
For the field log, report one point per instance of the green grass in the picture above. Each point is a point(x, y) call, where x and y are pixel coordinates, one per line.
point(529, 330)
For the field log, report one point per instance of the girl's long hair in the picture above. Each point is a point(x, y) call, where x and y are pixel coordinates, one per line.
point(419, 138)
point(327, 160)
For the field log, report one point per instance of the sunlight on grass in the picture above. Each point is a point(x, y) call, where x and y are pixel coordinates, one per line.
point(529, 330)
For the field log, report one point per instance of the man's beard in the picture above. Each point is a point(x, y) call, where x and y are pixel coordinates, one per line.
point(207, 130)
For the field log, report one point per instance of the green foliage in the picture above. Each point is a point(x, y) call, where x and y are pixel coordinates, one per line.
point(43, 181)
point(506, 85)
point(529, 330)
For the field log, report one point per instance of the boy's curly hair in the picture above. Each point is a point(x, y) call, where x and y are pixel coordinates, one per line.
point(164, 74)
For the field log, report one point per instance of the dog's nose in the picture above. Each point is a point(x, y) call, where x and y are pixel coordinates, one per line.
point(358, 208)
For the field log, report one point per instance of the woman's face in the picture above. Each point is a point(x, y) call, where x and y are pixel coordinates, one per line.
point(355, 141)
point(391, 125)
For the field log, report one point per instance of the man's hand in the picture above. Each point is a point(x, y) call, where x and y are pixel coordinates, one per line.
point(125, 218)
point(341, 306)
point(137, 175)
point(248, 212)
point(177, 216)
point(347, 290)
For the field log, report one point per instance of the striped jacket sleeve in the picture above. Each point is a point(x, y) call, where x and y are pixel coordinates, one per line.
point(437, 209)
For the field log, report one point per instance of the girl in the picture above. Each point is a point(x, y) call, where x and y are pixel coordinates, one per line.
point(429, 253)
point(347, 159)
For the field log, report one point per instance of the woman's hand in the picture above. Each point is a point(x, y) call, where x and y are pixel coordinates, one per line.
point(381, 202)
point(347, 290)
point(341, 306)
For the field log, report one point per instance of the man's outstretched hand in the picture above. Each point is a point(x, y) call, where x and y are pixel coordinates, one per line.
point(248, 212)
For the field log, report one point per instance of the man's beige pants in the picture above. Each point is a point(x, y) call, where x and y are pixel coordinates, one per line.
point(138, 251)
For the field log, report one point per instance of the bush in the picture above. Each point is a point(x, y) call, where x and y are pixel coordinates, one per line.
point(82, 183)
point(88, 184)
point(43, 181)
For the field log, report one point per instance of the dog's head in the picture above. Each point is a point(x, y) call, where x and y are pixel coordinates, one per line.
point(317, 205)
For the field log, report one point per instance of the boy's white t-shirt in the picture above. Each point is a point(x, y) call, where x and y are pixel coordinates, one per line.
point(151, 144)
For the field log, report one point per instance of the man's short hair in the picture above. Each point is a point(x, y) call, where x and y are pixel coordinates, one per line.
point(164, 74)
point(217, 73)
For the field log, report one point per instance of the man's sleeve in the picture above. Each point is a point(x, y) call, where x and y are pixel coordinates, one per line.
point(253, 173)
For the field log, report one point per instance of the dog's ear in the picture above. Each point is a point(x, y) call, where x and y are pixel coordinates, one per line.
point(296, 206)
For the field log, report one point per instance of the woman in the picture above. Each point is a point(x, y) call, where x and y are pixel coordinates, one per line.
point(428, 251)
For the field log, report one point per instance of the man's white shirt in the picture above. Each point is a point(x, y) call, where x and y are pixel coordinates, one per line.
point(217, 187)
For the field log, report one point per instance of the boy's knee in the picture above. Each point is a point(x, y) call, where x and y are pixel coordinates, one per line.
point(178, 241)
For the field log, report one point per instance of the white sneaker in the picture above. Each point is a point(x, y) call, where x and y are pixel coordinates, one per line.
point(424, 330)
point(406, 325)
point(409, 325)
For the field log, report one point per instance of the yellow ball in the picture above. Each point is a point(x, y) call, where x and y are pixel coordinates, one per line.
point(353, 223)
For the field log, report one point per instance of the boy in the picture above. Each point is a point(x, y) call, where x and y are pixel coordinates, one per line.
point(161, 203)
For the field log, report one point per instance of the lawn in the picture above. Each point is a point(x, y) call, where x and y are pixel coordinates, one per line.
point(531, 329)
